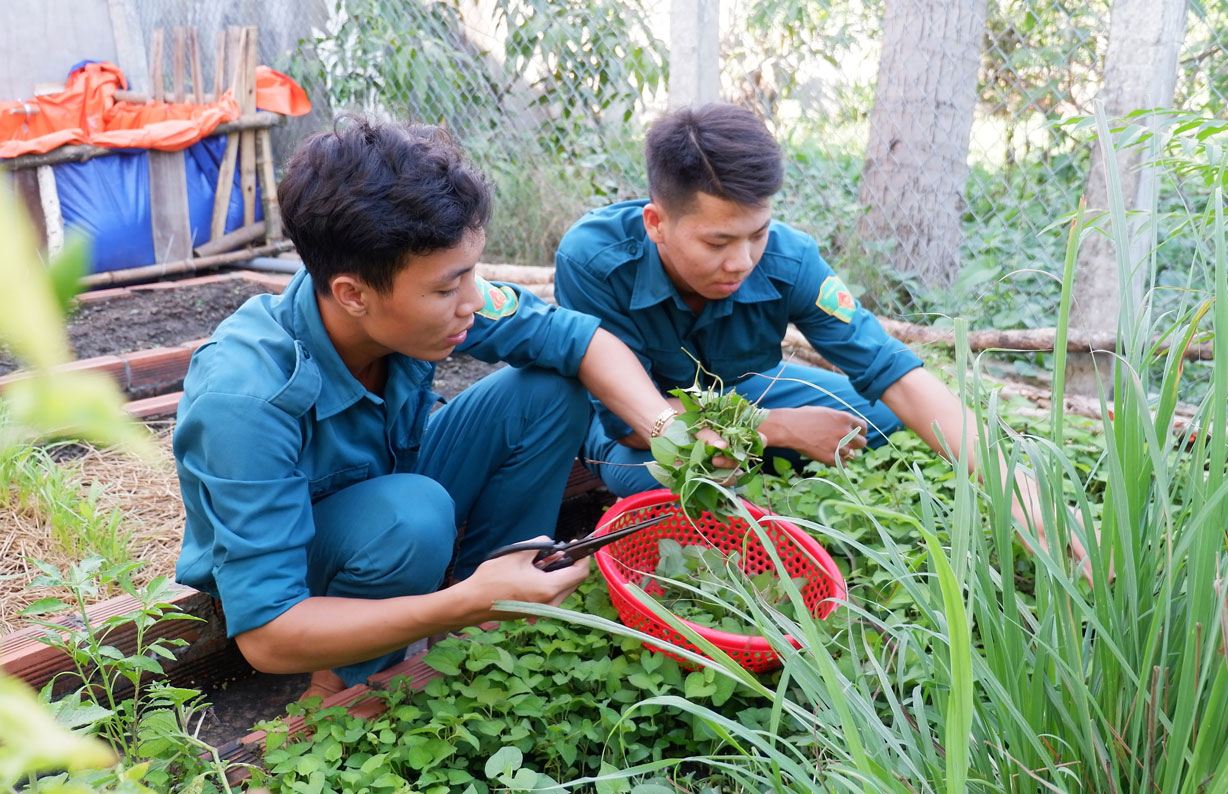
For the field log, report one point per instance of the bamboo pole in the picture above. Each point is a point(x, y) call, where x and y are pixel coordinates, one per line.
point(79, 154)
point(162, 269)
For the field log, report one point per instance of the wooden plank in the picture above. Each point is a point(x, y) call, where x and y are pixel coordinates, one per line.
point(219, 66)
point(194, 51)
point(155, 66)
point(179, 44)
point(129, 46)
point(225, 179)
point(168, 204)
point(247, 175)
point(225, 184)
point(268, 186)
point(49, 201)
point(247, 140)
point(234, 35)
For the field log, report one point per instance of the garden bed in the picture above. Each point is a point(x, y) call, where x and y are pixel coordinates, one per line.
point(144, 337)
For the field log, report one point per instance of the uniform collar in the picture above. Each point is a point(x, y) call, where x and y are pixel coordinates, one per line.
point(653, 286)
point(339, 389)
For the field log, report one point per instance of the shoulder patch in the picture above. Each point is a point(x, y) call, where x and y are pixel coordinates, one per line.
point(835, 299)
point(498, 302)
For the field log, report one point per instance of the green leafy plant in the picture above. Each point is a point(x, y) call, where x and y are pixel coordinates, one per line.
point(695, 586)
point(683, 463)
point(1003, 672)
point(123, 697)
point(522, 707)
point(54, 495)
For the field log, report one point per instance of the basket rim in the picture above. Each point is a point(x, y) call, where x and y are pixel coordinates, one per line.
point(722, 639)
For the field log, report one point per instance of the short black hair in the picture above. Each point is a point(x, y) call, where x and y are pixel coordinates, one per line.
point(720, 149)
point(365, 197)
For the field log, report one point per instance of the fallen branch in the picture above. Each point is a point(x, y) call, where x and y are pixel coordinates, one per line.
point(1040, 340)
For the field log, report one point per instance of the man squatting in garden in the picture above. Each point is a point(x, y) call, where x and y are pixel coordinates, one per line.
point(701, 272)
point(323, 496)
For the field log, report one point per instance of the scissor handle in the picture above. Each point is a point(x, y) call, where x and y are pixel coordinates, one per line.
point(570, 551)
point(543, 548)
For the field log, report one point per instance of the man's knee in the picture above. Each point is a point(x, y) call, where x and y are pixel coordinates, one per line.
point(394, 534)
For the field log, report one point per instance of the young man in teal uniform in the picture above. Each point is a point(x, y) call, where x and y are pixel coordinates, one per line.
point(323, 496)
point(701, 272)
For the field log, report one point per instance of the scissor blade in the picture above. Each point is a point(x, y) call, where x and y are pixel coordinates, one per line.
point(590, 543)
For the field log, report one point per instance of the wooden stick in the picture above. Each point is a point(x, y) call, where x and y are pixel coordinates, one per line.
point(155, 65)
point(53, 218)
point(233, 57)
point(152, 272)
point(194, 50)
point(225, 184)
point(219, 66)
point(228, 242)
point(178, 40)
point(268, 186)
point(79, 154)
point(247, 140)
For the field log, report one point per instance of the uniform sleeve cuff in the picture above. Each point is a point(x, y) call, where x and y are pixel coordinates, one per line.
point(256, 590)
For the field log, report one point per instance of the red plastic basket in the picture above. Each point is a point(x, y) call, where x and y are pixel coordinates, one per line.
point(629, 559)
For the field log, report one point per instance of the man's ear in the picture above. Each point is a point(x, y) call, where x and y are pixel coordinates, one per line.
point(350, 294)
point(654, 221)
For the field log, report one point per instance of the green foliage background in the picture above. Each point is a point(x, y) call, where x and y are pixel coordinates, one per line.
point(554, 104)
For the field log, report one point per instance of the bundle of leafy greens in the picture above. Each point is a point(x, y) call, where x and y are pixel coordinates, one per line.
point(683, 463)
point(696, 587)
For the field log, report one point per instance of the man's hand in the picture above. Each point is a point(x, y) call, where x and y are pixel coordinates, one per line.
point(327, 631)
point(815, 432)
point(514, 577)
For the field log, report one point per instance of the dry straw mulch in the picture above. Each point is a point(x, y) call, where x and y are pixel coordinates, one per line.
point(146, 491)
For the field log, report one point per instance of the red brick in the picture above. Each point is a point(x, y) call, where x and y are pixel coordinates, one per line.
point(151, 407)
point(103, 294)
point(157, 366)
point(274, 282)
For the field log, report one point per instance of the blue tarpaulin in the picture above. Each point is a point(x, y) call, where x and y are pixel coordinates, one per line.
point(107, 198)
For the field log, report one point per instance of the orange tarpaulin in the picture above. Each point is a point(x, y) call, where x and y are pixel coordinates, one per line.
point(86, 113)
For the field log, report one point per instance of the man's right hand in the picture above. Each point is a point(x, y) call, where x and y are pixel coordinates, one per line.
point(815, 432)
point(514, 577)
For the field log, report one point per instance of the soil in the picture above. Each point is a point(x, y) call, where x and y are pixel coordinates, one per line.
point(147, 319)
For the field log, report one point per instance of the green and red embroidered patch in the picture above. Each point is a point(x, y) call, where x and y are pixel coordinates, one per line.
point(499, 302)
point(835, 299)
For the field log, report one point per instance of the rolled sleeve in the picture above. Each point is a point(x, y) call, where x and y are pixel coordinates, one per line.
point(249, 519)
point(534, 333)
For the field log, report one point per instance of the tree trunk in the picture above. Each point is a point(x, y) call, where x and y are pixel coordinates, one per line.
point(1140, 72)
point(694, 59)
point(916, 165)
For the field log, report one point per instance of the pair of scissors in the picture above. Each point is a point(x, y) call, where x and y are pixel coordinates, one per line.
point(568, 551)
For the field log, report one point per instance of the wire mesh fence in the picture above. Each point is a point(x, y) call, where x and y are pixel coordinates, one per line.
point(552, 99)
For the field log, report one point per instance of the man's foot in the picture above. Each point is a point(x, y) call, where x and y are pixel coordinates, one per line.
point(324, 683)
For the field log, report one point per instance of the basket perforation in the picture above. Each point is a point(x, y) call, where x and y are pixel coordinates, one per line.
point(629, 560)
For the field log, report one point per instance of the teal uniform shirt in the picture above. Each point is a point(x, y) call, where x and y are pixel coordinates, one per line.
point(272, 422)
point(606, 266)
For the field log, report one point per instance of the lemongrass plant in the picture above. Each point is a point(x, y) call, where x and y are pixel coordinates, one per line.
point(1044, 685)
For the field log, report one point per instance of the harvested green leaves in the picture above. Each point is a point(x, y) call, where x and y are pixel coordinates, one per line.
point(684, 464)
point(698, 585)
